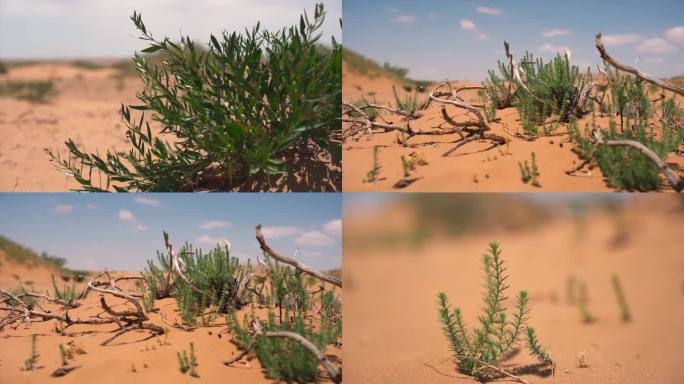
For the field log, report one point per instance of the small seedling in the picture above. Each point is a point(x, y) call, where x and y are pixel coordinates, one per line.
point(188, 363)
point(30, 363)
point(407, 165)
point(624, 309)
point(529, 172)
point(372, 175)
point(475, 350)
point(66, 354)
point(582, 359)
point(587, 318)
point(67, 293)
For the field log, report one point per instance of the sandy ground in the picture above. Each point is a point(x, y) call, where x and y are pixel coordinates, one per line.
point(475, 167)
point(86, 108)
point(391, 323)
point(133, 357)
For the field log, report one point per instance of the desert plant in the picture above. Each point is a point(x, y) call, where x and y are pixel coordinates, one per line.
point(496, 92)
point(188, 363)
point(232, 113)
point(583, 303)
point(372, 175)
point(67, 293)
point(30, 363)
point(39, 91)
point(65, 354)
point(407, 166)
point(3, 68)
point(625, 314)
point(475, 351)
point(529, 171)
point(409, 104)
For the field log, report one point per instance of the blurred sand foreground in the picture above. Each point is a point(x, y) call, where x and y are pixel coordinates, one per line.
point(390, 315)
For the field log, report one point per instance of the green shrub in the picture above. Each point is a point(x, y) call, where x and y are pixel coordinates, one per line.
point(67, 293)
point(499, 333)
point(232, 113)
point(529, 171)
point(3, 68)
point(188, 363)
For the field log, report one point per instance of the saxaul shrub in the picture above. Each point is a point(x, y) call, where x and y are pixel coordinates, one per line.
point(215, 274)
point(499, 331)
point(230, 113)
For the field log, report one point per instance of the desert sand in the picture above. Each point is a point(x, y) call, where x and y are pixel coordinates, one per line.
point(474, 167)
point(85, 108)
point(392, 332)
point(132, 357)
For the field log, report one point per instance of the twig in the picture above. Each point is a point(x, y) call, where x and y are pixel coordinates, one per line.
point(287, 260)
point(605, 56)
point(497, 369)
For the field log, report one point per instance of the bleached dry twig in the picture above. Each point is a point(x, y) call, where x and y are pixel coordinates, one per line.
point(626, 68)
point(292, 262)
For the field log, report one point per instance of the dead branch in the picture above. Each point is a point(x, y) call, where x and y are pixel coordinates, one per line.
point(175, 265)
point(626, 68)
point(292, 262)
point(496, 369)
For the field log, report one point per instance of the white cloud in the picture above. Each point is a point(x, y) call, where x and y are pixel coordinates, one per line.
point(483, 36)
point(656, 45)
point(675, 35)
point(213, 224)
point(613, 40)
point(209, 240)
point(548, 48)
point(406, 19)
point(488, 10)
point(140, 227)
point(557, 32)
point(333, 227)
point(279, 231)
point(63, 208)
point(147, 201)
point(468, 25)
point(126, 215)
point(314, 238)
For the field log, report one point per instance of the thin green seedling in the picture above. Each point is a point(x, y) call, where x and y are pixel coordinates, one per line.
point(30, 363)
point(583, 304)
point(407, 166)
point(188, 363)
point(625, 313)
point(65, 354)
point(529, 171)
point(372, 175)
point(475, 351)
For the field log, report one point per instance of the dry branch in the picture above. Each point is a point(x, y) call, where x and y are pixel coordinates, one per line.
point(175, 265)
point(626, 68)
point(292, 262)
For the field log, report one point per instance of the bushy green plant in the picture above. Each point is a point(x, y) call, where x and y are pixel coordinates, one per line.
point(498, 332)
point(409, 104)
point(232, 113)
point(628, 97)
point(496, 91)
point(216, 274)
point(67, 293)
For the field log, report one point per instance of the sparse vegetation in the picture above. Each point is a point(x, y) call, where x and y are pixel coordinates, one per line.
point(625, 314)
point(372, 175)
point(529, 171)
point(39, 91)
point(188, 363)
point(475, 351)
point(67, 293)
point(236, 113)
point(30, 363)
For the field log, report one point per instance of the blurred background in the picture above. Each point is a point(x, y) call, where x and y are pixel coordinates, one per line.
point(566, 250)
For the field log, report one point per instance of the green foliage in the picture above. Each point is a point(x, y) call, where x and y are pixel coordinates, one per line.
point(232, 111)
point(529, 171)
point(625, 314)
point(38, 91)
point(188, 363)
point(65, 354)
point(67, 293)
point(399, 72)
point(3, 68)
point(409, 104)
point(496, 93)
point(30, 363)
point(498, 334)
point(372, 175)
point(407, 166)
point(628, 97)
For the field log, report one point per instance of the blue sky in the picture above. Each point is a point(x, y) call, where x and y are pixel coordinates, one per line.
point(121, 231)
point(449, 39)
point(37, 29)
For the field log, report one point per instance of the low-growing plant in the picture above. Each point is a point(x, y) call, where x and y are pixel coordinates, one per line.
point(30, 363)
point(583, 303)
point(65, 354)
point(529, 171)
point(3, 68)
point(475, 350)
point(188, 363)
point(407, 166)
point(372, 175)
point(625, 314)
point(409, 104)
point(233, 112)
point(67, 293)
point(38, 91)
